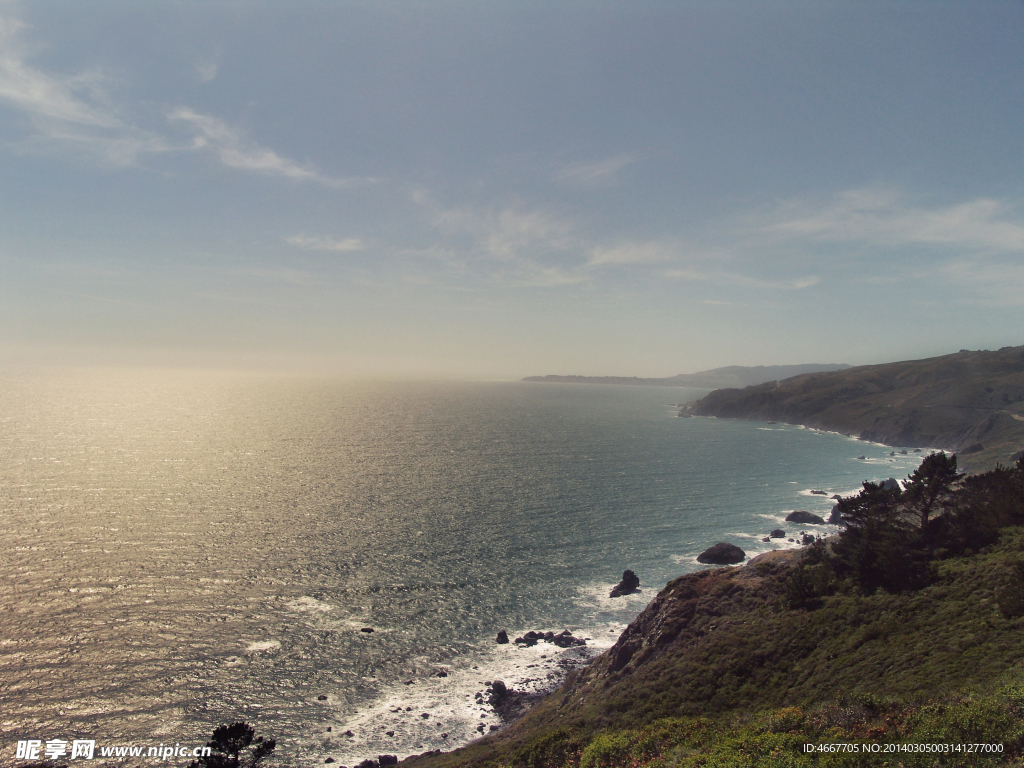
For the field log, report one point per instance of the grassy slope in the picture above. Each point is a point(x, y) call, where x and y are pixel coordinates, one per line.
point(954, 402)
point(717, 655)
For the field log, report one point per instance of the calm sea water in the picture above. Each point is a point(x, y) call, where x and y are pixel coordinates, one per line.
point(183, 550)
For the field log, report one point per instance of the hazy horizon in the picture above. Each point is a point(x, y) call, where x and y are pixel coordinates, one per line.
point(479, 191)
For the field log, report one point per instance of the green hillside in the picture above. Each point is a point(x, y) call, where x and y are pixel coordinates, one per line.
point(971, 403)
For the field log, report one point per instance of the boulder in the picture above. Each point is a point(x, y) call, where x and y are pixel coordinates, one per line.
point(499, 692)
point(890, 484)
point(820, 493)
point(804, 518)
point(722, 554)
point(778, 533)
point(628, 585)
point(835, 518)
point(566, 640)
point(862, 457)
point(502, 637)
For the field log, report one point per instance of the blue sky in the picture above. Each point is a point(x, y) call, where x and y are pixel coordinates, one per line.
point(494, 190)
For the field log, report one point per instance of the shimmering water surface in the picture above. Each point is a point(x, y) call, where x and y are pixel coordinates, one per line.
point(183, 550)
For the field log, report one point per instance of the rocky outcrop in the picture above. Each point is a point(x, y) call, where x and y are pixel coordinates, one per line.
point(722, 554)
point(629, 584)
point(835, 517)
point(564, 639)
point(804, 518)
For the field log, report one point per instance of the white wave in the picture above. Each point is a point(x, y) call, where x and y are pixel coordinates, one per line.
point(309, 604)
point(263, 645)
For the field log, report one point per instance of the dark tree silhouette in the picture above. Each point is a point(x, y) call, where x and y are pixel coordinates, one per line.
point(233, 746)
point(878, 549)
point(931, 486)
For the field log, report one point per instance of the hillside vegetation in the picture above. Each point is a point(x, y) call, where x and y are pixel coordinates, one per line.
point(971, 403)
point(746, 665)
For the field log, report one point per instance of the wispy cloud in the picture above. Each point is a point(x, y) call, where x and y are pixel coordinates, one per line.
point(65, 99)
point(325, 243)
point(77, 114)
point(739, 279)
point(206, 70)
point(235, 150)
point(590, 173)
point(632, 253)
point(886, 218)
point(69, 111)
point(509, 234)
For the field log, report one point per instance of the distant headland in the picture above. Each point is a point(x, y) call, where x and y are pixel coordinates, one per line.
point(970, 402)
point(716, 378)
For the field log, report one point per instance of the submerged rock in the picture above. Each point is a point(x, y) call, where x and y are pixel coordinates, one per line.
point(722, 554)
point(628, 585)
point(803, 517)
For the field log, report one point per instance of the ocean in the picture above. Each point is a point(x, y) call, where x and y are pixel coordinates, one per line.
point(188, 549)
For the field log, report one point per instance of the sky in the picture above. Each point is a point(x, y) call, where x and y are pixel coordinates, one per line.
point(495, 190)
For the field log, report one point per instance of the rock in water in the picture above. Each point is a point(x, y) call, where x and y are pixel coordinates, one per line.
point(502, 637)
point(891, 484)
point(778, 533)
point(800, 516)
point(630, 582)
point(722, 554)
point(836, 517)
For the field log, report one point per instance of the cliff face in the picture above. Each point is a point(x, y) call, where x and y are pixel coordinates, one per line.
point(971, 403)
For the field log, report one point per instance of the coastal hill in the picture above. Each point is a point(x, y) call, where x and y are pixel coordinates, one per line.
point(746, 666)
point(971, 403)
point(716, 378)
